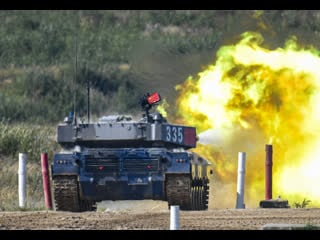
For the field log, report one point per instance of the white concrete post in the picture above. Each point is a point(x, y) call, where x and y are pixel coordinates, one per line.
point(22, 179)
point(241, 176)
point(174, 217)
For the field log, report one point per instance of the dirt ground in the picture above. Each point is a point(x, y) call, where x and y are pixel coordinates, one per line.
point(155, 215)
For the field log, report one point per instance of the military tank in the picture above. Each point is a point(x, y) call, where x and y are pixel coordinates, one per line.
point(118, 158)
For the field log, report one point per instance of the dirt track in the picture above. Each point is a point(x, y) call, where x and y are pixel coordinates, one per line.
point(151, 215)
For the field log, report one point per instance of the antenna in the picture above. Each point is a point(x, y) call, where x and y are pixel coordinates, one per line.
point(75, 69)
point(88, 99)
point(75, 76)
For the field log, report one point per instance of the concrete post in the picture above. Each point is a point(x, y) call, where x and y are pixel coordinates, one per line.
point(241, 178)
point(46, 180)
point(174, 217)
point(22, 179)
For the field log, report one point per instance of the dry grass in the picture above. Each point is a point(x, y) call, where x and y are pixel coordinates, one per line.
point(9, 194)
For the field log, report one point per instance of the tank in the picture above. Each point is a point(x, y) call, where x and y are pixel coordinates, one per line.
point(118, 158)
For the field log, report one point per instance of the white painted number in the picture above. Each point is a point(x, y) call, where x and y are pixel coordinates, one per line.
point(180, 135)
point(174, 134)
point(168, 134)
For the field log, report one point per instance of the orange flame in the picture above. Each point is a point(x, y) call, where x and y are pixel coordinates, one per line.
point(254, 96)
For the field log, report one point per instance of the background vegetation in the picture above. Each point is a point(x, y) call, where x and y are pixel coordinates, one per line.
point(121, 54)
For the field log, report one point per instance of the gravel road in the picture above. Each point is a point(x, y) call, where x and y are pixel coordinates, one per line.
point(155, 215)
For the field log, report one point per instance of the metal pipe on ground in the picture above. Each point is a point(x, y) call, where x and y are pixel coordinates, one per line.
point(268, 193)
point(269, 202)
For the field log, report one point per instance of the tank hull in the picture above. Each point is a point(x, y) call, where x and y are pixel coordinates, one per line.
point(130, 174)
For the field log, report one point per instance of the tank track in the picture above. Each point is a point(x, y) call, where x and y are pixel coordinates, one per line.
point(199, 194)
point(189, 194)
point(67, 195)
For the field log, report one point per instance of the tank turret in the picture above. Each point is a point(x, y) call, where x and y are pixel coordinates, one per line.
point(152, 130)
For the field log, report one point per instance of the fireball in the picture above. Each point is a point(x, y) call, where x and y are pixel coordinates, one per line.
point(252, 96)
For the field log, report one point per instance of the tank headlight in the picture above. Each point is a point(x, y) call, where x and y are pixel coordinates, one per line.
point(180, 160)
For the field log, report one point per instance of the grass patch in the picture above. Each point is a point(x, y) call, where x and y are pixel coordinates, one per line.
point(303, 204)
point(32, 140)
